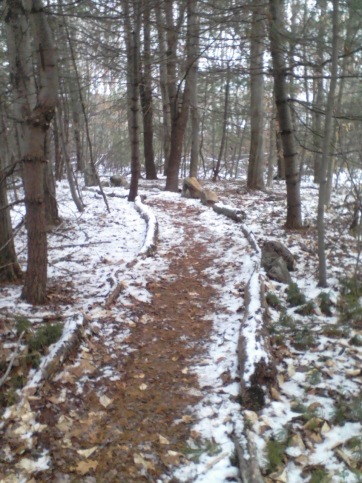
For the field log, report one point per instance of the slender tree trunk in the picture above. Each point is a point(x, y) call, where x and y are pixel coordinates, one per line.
point(194, 109)
point(256, 160)
point(146, 96)
point(179, 100)
point(166, 113)
point(319, 97)
point(322, 266)
point(216, 170)
point(133, 70)
point(294, 214)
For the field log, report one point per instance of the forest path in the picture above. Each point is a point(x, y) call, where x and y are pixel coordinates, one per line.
point(120, 409)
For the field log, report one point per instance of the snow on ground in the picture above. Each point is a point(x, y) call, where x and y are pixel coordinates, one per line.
point(89, 253)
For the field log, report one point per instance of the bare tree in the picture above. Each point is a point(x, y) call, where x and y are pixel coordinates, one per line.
point(29, 38)
point(255, 178)
point(294, 213)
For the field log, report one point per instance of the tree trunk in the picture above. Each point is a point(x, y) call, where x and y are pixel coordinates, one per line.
point(322, 265)
point(194, 110)
point(294, 213)
point(179, 100)
point(146, 96)
point(132, 34)
point(166, 113)
point(9, 267)
point(256, 160)
point(35, 116)
point(216, 170)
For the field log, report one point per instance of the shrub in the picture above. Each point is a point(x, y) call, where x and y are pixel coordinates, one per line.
point(273, 300)
point(294, 295)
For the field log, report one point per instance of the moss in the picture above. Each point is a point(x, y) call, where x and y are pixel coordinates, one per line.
point(304, 339)
point(314, 377)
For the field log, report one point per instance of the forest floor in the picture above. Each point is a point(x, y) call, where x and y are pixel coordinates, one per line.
point(150, 390)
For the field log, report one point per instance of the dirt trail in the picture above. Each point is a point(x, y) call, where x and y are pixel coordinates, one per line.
point(139, 428)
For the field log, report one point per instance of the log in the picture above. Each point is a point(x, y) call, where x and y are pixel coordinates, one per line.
point(72, 331)
point(111, 298)
point(229, 211)
point(248, 462)
point(150, 243)
point(256, 362)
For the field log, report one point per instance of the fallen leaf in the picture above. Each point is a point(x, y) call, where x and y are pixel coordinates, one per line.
point(87, 452)
point(185, 370)
point(187, 419)
point(105, 401)
point(163, 440)
point(85, 467)
point(143, 387)
point(140, 461)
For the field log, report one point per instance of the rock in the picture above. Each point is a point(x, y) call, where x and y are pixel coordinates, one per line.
point(118, 180)
point(191, 188)
point(275, 249)
point(277, 261)
point(279, 271)
point(209, 197)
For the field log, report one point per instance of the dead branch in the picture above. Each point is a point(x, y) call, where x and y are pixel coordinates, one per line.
point(12, 360)
point(248, 466)
point(111, 298)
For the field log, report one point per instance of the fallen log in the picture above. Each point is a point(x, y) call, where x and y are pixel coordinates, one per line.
point(111, 298)
point(71, 337)
point(229, 211)
point(248, 462)
point(256, 362)
point(150, 243)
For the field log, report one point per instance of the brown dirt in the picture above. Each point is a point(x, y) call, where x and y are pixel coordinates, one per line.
point(144, 430)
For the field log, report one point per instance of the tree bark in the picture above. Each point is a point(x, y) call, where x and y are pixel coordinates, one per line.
point(292, 175)
point(322, 263)
point(216, 170)
point(179, 100)
point(132, 37)
point(255, 178)
point(166, 113)
point(27, 25)
point(194, 109)
point(146, 96)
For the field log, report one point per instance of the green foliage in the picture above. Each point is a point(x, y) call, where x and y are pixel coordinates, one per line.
point(348, 409)
point(8, 398)
point(356, 340)
point(276, 447)
point(22, 325)
point(294, 296)
point(303, 338)
point(45, 336)
point(319, 475)
point(273, 301)
point(306, 309)
point(314, 377)
point(286, 320)
point(325, 304)
point(355, 445)
point(207, 446)
point(349, 305)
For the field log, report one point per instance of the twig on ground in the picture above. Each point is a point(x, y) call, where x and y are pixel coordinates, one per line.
point(12, 360)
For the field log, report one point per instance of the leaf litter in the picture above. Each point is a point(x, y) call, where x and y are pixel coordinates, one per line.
point(151, 393)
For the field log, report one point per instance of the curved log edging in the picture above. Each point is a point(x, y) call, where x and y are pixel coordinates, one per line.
point(150, 242)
